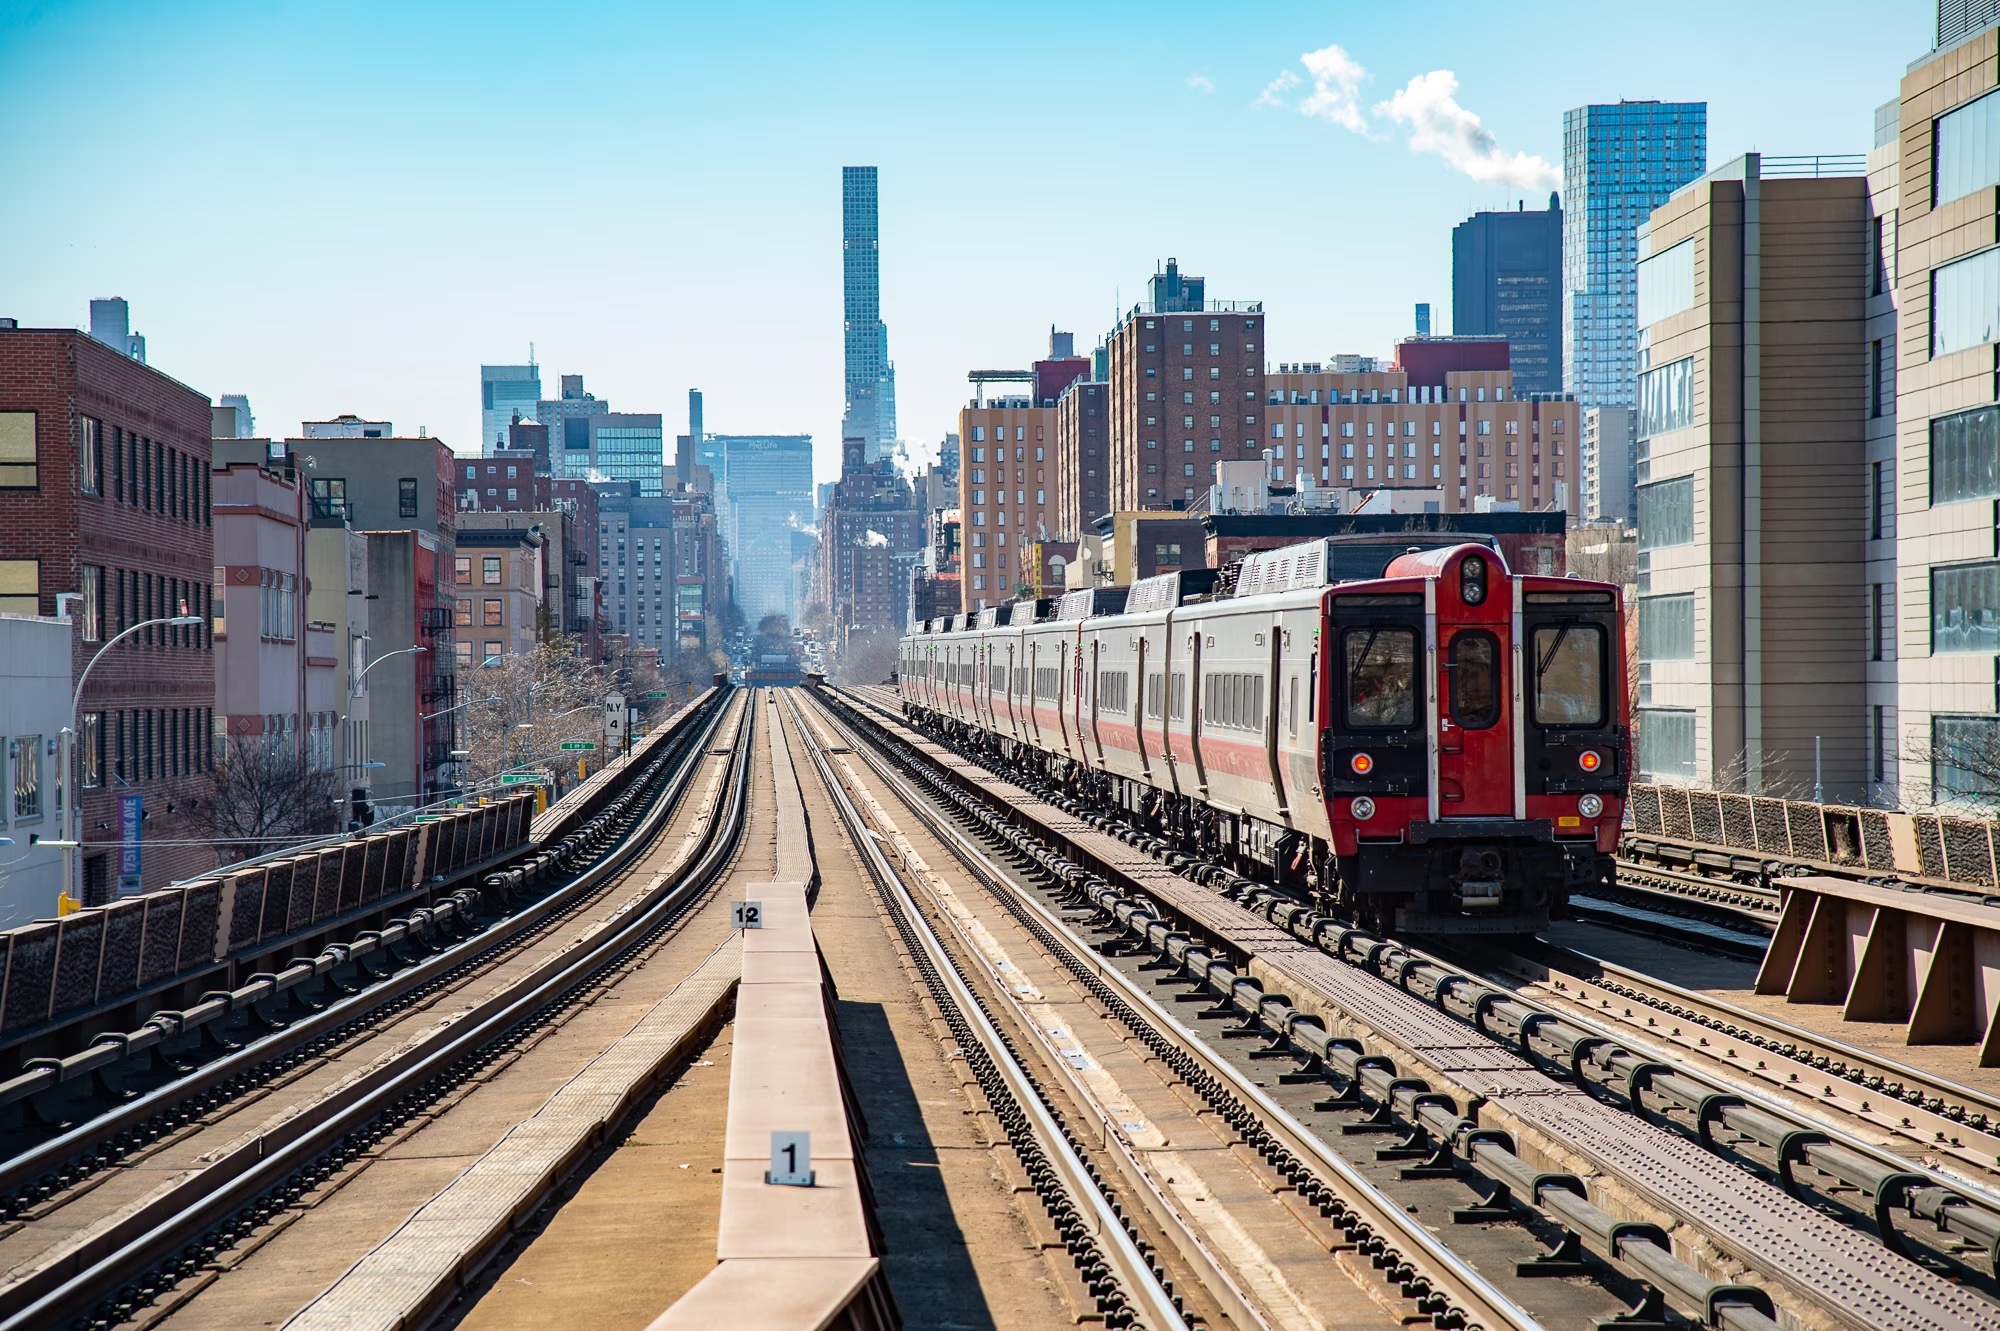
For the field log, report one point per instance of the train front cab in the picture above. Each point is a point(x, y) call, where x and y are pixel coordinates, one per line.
point(1475, 752)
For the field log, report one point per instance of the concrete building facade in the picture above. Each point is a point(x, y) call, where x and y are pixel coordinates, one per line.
point(1610, 454)
point(1083, 459)
point(1750, 478)
point(34, 708)
point(501, 574)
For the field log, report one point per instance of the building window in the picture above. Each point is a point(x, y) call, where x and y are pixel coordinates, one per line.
point(490, 570)
point(1167, 553)
point(1666, 398)
point(491, 612)
point(1666, 283)
point(1666, 743)
point(1965, 456)
point(1965, 303)
point(1666, 628)
point(18, 460)
point(1963, 750)
point(89, 454)
point(26, 753)
point(462, 568)
point(406, 497)
point(495, 651)
point(1884, 269)
point(1878, 622)
point(90, 749)
point(1965, 608)
point(20, 586)
point(1666, 513)
point(1877, 361)
point(463, 614)
point(92, 627)
point(1966, 150)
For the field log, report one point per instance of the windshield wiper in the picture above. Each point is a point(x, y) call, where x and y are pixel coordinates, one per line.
point(1549, 659)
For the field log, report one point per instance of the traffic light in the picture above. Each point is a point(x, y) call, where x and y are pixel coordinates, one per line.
point(360, 813)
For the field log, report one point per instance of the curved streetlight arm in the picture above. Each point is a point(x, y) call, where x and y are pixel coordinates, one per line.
point(71, 814)
point(400, 651)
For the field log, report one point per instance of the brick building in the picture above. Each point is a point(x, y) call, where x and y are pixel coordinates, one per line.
point(1185, 391)
point(1444, 415)
point(104, 492)
point(1083, 459)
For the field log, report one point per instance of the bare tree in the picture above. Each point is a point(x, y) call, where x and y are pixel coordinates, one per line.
point(263, 794)
point(524, 705)
point(1964, 763)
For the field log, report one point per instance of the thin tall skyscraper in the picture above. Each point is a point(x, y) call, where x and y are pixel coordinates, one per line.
point(1619, 163)
point(871, 379)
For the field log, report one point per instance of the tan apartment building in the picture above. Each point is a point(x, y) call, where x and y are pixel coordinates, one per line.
point(1750, 469)
point(1442, 416)
point(501, 573)
point(1185, 384)
point(1004, 498)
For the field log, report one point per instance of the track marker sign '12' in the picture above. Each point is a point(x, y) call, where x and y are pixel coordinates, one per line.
point(746, 915)
point(791, 1160)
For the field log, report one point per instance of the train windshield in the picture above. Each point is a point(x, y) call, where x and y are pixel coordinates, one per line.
point(1381, 677)
point(1569, 675)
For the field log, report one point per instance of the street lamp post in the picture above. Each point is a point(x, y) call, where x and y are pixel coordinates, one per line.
point(354, 691)
point(72, 819)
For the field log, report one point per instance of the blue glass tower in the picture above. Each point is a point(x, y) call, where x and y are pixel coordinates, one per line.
point(1619, 163)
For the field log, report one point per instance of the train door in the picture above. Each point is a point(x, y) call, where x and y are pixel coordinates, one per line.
point(1140, 697)
point(1090, 685)
point(1273, 710)
point(1197, 707)
point(1475, 750)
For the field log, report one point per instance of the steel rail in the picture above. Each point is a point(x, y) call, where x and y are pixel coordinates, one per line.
point(1149, 1299)
point(103, 1261)
point(52, 1155)
point(1474, 1298)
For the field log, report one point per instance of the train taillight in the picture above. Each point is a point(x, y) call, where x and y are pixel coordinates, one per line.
point(1472, 580)
point(1361, 764)
point(1590, 760)
point(1362, 808)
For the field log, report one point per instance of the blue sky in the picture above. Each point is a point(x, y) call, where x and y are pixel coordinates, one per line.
point(350, 206)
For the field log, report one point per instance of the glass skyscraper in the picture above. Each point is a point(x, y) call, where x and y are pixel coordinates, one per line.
point(503, 391)
point(1507, 281)
point(767, 489)
point(871, 379)
point(1619, 163)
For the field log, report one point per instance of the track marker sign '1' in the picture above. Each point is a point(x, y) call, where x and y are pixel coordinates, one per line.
point(746, 915)
point(791, 1160)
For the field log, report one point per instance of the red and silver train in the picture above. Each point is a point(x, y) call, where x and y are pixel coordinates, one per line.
point(1417, 737)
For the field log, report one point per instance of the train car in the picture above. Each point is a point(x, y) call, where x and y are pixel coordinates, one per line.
point(1419, 738)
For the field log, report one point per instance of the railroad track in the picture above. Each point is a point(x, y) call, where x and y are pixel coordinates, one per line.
point(124, 1253)
point(1788, 1250)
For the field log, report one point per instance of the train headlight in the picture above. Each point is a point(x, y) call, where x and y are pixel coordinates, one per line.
point(1590, 806)
point(1361, 764)
point(1362, 808)
point(1472, 580)
point(1590, 760)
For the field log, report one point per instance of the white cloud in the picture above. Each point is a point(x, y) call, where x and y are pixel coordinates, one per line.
point(1336, 93)
point(1274, 91)
point(1428, 105)
point(1201, 83)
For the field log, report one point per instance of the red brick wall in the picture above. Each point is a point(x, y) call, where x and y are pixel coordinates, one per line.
point(155, 545)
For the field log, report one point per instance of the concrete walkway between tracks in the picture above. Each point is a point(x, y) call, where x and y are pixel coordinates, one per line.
point(414, 1272)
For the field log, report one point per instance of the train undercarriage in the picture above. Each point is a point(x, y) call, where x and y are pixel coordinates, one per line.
point(1484, 883)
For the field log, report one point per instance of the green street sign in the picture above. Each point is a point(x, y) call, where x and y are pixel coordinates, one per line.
point(522, 778)
point(579, 745)
point(653, 695)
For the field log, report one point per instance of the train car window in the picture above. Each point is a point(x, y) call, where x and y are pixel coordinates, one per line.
point(1177, 703)
point(1155, 694)
point(1569, 675)
point(1568, 598)
point(1312, 687)
point(1381, 677)
point(1292, 705)
point(1475, 680)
